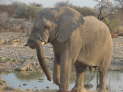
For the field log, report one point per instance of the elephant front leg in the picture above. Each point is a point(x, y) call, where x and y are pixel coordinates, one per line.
point(79, 86)
point(66, 64)
point(56, 73)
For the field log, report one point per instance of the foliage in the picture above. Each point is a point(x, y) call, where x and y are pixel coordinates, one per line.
point(107, 13)
point(61, 4)
point(119, 6)
point(3, 18)
point(112, 24)
point(119, 3)
point(85, 11)
point(104, 9)
point(6, 59)
point(9, 9)
point(29, 75)
point(26, 11)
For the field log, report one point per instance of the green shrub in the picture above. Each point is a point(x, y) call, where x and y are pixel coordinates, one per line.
point(85, 11)
point(112, 23)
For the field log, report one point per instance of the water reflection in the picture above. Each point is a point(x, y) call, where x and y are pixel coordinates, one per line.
point(25, 81)
point(28, 75)
point(116, 81)
point(34, 80)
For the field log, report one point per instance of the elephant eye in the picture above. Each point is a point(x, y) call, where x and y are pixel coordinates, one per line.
point(46, 27)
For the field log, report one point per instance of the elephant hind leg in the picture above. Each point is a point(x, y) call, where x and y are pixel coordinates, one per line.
point(79, 86)
point(104, 75)
point(103, 81)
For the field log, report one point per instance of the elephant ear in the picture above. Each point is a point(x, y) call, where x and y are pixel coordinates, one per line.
point(69, 22)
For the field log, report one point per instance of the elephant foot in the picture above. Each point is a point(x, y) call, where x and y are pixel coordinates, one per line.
point(57, 83)
point(79, 90)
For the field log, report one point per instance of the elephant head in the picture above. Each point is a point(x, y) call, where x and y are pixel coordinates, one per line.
point(53, 24)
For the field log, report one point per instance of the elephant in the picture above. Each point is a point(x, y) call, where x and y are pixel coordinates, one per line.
point(77, 41)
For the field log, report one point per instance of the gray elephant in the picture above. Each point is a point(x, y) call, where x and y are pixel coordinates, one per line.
point(77, 41)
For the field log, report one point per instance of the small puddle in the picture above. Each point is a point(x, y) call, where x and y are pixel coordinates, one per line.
point(27, 80)
point(36, 81)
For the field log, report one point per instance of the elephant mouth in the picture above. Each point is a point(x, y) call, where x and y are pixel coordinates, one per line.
point(32, 44)
point(43, 43)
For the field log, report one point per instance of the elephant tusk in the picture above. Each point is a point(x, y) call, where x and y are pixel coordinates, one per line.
point(43, 43)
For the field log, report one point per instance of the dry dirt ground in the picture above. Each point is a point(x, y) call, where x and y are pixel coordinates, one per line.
point(12, 46)
point(12, 49)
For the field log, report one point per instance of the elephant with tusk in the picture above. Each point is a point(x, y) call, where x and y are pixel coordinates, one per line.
point(77, 41)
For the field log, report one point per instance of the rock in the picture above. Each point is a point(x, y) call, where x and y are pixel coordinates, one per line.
point(114, 35)
point(26, 66)
point(24, 84)
point(8, 88)
point(2, 83)
point(88, 86)
point(47, 87)
point(16, 42)
point(2, 42)
point(19, 86)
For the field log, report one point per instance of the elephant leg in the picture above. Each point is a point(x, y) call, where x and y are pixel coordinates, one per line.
point(56, 73)
point(103, 82)
point(79, 86)
point(66, 64)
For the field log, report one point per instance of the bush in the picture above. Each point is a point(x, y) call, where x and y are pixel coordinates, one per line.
point(33, 10)
point(9, 9)
point(85, 11)
point(112, 23)
point(3, 18)
point(26, 11)
point(62, 4)
point(119, 30)
point(21, 10)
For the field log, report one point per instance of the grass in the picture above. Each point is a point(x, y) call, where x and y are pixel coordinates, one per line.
point(6, 59)
point(2, 82)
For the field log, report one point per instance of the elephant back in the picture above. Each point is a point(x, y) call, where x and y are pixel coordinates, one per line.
point(96, 42)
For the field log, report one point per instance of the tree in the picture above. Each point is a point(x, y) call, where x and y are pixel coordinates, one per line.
point(104, 8)
point(23, 10)
point(106, 12)
point(119, 6)
point(119, 3)
point(85, 11)
point(61, 4)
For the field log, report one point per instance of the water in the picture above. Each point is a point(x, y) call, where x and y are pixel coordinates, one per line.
point(23, 81)
point(36, 81)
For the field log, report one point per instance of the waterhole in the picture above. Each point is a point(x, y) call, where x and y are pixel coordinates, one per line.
point(36, 81)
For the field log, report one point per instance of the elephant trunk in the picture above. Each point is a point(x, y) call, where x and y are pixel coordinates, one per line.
point(40, 55)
